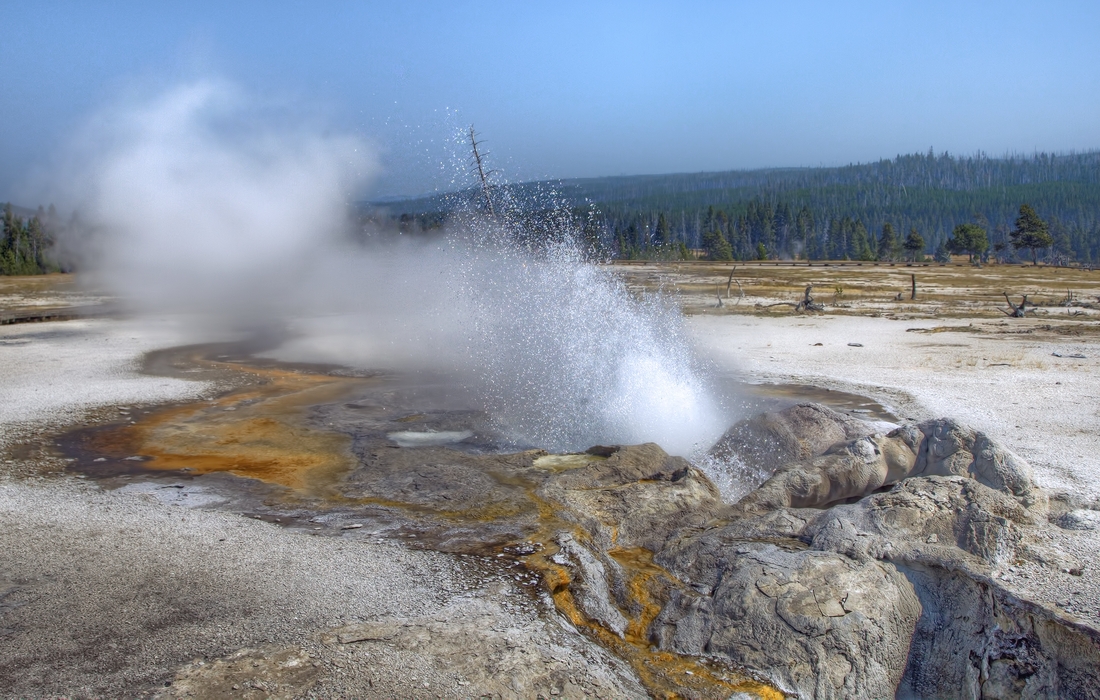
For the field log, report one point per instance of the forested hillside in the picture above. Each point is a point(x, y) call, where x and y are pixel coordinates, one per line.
point(819, 213)
point(25, 241)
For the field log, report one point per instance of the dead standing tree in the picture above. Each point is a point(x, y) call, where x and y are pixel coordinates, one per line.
point(729, 283)
point(482, 174)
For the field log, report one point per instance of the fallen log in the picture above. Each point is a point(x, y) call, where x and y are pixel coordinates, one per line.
point(1017, 311)
point(808, 303)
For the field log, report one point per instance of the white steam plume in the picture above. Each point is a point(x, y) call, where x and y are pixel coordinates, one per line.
point(195, 204)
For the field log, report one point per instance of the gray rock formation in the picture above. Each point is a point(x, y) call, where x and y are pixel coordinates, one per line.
point(637, 497)
point(862, 466)
point(825, 625)
point(973, 638)
point(769, 440)
point(830, 581)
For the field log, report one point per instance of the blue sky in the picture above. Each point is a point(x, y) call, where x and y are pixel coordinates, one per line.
point(567, 89)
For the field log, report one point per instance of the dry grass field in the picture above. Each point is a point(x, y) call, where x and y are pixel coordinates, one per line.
point(45, 298)
point(37, 291)
point(951, 290)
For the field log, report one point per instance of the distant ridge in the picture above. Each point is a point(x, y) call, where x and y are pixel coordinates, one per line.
point(21, 212)
point(942, 171)
point(817, 211)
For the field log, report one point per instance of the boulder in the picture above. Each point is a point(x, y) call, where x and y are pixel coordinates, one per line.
point(769, 440)
point(846, 471)
point(948, 521)
point(822, 624)
point(862, 466)
point(952, 448)
point(636, 497)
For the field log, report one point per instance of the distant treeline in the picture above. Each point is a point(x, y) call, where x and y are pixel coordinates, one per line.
point(819, 213)
point(26, 241)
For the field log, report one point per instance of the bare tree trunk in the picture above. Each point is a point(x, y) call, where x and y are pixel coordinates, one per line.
point(739, 288)
point(482, 175)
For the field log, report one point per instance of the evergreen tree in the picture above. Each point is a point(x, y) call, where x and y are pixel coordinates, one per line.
point(36, 237)
point(739, 239)
point(716, 246)
point(24, 244)
point(1062, 238)
point(1030, 232)
point(970, 239)
point(760, 222)
point(914, 245)
point(622, 248)
point(804, 233)
point(930, 192)
point(634, 240)
point(782, 226)
point(11, 244)
point(859, 248)
point(887, 243)
point(837, 244)
point(663, 234)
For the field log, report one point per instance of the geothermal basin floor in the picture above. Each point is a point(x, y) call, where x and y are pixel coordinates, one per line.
point(103, 592)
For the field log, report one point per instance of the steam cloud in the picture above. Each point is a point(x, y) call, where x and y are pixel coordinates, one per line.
point(195, 203)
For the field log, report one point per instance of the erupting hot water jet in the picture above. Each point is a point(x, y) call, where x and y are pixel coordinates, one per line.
point(562, 353)
point(566, 357)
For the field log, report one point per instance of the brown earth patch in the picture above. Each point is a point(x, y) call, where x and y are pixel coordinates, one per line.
point(255, 432)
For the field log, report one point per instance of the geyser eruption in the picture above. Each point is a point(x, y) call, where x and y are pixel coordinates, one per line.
point(565, 356)
point(197, 205)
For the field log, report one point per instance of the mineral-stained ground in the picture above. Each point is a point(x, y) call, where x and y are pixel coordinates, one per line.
point(241, 527)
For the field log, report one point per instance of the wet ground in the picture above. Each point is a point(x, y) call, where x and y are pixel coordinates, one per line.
point(349, 454)
point(779, 396)
point(295, 440)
